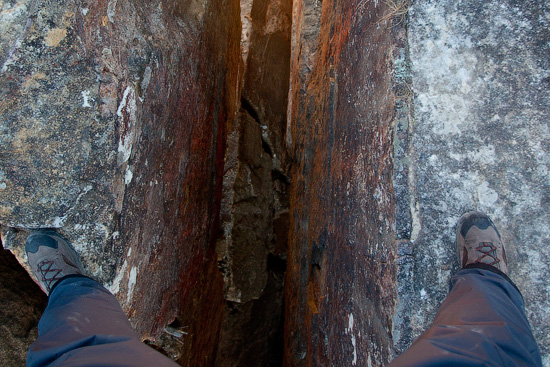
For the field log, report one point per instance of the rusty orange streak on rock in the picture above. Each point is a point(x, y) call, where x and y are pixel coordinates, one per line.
point(340, 282)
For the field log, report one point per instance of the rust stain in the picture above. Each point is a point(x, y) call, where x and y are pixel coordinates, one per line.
point(341, 251)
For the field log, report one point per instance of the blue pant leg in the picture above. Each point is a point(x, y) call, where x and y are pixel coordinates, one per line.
point(84, 325)
point(482, 322)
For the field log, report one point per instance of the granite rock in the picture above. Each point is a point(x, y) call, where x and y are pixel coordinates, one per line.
point(340, 285)
point(254, 213)
point(478, 139)
point(113, 119)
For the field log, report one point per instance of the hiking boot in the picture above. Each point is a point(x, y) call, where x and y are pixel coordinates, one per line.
point(51, 258)
point(478, 241)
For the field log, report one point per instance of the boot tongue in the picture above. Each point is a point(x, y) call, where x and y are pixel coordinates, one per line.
point(488, 253)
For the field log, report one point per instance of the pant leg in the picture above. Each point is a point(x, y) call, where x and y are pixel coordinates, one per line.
point(84, 325)
point(482, 322)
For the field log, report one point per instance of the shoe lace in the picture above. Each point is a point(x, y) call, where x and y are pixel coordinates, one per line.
point(488, 253)
point(49, 272)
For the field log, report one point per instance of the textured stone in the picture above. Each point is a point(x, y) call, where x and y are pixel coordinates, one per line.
point(113, 120)
point(479, 140)
point(340, 289)
point(248, 216)
point(116, 116)
point(254, 212)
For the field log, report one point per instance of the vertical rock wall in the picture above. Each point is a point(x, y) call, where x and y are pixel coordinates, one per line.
point(252, 249)
point(340, 283)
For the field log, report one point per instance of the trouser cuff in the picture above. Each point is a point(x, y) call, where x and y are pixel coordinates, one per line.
point(67, 277)
point(494, 270)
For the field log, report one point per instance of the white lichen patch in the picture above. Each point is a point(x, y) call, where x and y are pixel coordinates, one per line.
point(101, 229)
point(128, 175)
point(127, 103)
point(114, 288)
point(111, 10)
point(58, 222)
point(125, 147)
point(82, 242)
point(127, 107)
point(349, 330)
point(132, 278)
point(246, 27)
point(486, 195)
point(450, 79)
point(146, 80)
point(2, 178)
point(484, 155)
point(86, 99)
point(415, 219)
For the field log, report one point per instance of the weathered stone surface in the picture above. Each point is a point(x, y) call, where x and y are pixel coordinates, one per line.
point(113, 129)
point(113, 122)
point(340, 289)
point(51, 135)
point(21, 304)
point(480, 139)
point(248, 213)
point(254, 213)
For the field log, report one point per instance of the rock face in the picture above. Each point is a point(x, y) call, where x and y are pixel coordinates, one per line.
point(254, 213)
point(121, 128)
point(340, 284)
point(224, 199)
point(479, 140)
point(113, 120)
